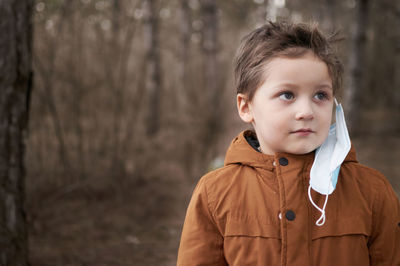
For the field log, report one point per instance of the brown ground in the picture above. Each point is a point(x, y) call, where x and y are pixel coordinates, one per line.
point(138, 223)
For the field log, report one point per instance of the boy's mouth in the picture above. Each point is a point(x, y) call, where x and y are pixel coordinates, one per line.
point(303, 132)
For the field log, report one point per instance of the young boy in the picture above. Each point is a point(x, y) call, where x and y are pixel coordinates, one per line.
point(266, 205)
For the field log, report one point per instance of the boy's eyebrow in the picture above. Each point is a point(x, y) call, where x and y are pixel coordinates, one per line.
point(323, 85)
point(285, 84)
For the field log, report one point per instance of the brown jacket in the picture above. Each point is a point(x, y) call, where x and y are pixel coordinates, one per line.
point(255, 211)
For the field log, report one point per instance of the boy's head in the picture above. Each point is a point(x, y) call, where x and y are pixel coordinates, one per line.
point(286, 78)
point(282, 39)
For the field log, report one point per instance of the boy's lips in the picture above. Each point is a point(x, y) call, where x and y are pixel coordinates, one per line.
point(303, 131)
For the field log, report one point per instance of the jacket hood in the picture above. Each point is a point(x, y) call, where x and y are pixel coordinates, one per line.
point(244, 150)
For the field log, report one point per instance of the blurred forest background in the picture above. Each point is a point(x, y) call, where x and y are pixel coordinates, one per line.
point(133, 102)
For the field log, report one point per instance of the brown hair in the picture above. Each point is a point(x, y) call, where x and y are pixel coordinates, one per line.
point(276, 39)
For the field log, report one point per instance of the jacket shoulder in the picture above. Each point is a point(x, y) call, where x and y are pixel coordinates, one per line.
point(224, 183)
point(368, 179)
point(219, 175)
point(365, 173)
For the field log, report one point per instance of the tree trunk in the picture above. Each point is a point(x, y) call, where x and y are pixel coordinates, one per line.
point(356, 66)
point(183, 95)
point(264, 12)
point(396, 39)
point(46, 70)
point(327, 14)
point(211, 72)
point(185, 32)
point(153, 70)
point(15, 88)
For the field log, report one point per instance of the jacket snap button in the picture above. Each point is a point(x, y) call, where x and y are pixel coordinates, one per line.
point(283, 161)
point(290, 215)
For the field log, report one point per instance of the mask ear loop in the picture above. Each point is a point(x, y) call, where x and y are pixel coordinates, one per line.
point(321, 219)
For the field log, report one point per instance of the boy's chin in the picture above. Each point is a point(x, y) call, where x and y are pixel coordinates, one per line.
point(301, 150)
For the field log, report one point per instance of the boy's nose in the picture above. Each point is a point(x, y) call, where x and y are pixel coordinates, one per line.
point(305, 112)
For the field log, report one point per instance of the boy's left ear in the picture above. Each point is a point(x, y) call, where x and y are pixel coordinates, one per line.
point(243, 106)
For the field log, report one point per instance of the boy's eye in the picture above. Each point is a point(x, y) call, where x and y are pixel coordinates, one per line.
point(321, 96)
point(286, 96)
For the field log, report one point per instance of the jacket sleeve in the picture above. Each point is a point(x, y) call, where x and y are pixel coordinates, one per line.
point(201, 243)
point(384, 244)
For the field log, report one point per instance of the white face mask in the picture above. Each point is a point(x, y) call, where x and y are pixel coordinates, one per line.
point(328, 158)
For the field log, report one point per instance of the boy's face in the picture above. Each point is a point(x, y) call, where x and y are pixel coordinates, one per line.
point(292, 110)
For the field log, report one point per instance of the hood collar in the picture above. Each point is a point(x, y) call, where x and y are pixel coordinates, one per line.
point(243, 150)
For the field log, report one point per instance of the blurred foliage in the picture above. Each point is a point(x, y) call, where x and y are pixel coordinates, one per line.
point(88, 113)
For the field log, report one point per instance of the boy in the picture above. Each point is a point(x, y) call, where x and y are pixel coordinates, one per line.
point(265, 207)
